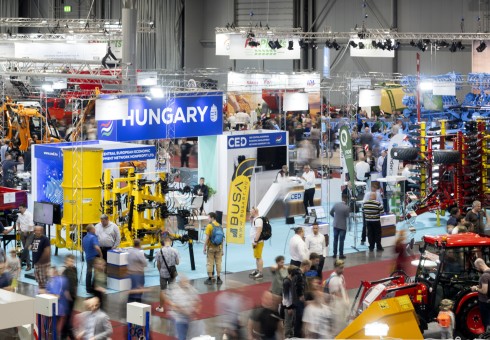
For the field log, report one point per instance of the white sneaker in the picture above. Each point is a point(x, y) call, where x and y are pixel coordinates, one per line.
point(253, 273)
point(159, 309)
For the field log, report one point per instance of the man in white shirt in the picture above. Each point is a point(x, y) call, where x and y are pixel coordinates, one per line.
point(108, 234)
point(309, 178)
point(340, 302)
point(25, 223)
point(316, 243)
point(297, 247)
point(362, 169)
point(256, 224)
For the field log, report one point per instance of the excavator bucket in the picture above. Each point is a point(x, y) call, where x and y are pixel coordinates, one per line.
point(392, 318)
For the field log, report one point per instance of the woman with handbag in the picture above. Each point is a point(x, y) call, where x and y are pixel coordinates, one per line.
point(167, 259)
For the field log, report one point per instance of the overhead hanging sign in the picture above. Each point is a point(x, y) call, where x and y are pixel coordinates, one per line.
point(60, 51)
point(111, 109)
point(240, 49)
point(369, 51)
point(222, 44)
point(369, 98)
point(256, 140)
point(199, 114)
point(444, 88)
point(295, 101)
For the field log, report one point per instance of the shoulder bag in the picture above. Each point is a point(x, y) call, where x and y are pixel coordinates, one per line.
point(172, 270)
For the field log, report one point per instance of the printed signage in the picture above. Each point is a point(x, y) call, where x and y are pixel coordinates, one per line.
point(256, 140)
point(240, 48)
point(189, 116)
point(109, 155)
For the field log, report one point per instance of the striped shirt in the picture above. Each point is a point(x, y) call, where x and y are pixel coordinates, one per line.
point(372, 210)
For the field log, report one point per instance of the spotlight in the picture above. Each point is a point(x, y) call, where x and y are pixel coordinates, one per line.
point(412, 43)
point(250, 35)
point(253, 43)
point(277, 44)
point(397, 45)
point(427, 41)
point(361, 45)
point(442, 43)
point(453, 47)
point(481, 47)
point(328, 43)
point(272, 45)
point(290, 45)
point(335, 45)
point(361, 35)
point(313, 45)
point(302, 43)
point(460, 45)
point(353, 44)
point(374, 43)
point(421, 45)
point(381, 45)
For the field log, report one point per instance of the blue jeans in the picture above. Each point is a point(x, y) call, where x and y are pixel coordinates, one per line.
point(181, 328)
point(137, 281)
point(336, 234)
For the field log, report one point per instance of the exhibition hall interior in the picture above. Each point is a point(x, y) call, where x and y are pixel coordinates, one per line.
point(243, 169)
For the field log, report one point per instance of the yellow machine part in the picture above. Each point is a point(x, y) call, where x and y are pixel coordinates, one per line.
point(397, 313)
point(82, 189)
point(391, 98)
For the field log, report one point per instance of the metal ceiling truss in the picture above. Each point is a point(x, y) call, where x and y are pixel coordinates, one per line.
point(75, 25)
point(61, 37)
point(370, 34)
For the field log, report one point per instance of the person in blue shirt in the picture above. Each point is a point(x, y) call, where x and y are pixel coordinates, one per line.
point(90, 245)
point(58, 285)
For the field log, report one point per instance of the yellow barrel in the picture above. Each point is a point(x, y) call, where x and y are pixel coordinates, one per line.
point(82, 189)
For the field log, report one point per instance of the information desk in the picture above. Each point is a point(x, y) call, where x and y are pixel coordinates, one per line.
point(388, 230)
point(16, 310)
point(287, 198)
point(117, 270)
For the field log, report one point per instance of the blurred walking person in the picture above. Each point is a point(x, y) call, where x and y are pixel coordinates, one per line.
point(265, 323)
point(336, 287)
point(185, 304)
point(165, 258)
point(71, 275)
point(136, 269)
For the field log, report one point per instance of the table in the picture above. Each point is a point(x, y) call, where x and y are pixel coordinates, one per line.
point(16, 310)
point(199, 219)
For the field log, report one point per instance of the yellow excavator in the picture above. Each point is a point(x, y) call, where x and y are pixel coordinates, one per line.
point(21, 122)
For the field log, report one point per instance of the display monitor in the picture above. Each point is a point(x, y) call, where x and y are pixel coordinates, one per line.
point(43, 213)
point(272, 158)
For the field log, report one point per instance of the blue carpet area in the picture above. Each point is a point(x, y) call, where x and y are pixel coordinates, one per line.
point(238, 257)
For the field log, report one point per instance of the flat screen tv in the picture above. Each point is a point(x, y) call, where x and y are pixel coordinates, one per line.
point(272, 158)
point(47, 213)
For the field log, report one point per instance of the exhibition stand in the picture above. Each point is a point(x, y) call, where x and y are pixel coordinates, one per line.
point(138, 319)
point(17, 310)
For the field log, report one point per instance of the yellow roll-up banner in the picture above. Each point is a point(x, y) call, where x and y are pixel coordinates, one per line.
point(237, 209)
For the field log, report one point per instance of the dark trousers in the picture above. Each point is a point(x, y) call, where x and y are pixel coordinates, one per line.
point(374, 234)
point(67, 330)
point(320, 267)
point(104, 252)
point(338, 239)
point(363, 233)
point(485, 313)
point(26, 238)
point(308, 199)
point(385, 198)
point(184, 161)
point(298, 319)
point(89, 284)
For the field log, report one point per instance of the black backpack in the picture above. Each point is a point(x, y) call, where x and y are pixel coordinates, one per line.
point(266, 229)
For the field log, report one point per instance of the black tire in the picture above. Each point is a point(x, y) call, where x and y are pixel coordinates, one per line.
point(404, 154)
point(446, 156)
point(468, 319)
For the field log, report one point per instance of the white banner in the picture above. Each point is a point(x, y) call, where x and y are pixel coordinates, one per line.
point(147, 78)
point(392, 165)
point(222, 44)
point(369, 50)
point(60, 51)
point(7, 50)
point(240, 49)
point(295, 101)
point(255, 82)
point(444, 88)
point(368, 98)
point(359, 83)
point(111, 109)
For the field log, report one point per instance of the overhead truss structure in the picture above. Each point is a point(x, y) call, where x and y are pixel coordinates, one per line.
point(75, 25)
point(371, 34)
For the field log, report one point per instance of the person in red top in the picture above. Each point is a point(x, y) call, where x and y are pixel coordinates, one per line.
point(402, 259)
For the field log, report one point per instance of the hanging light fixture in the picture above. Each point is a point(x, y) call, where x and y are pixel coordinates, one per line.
point(481, 47)
point(290, 45)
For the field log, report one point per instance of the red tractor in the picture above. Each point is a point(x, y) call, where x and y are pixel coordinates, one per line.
point(445, 270)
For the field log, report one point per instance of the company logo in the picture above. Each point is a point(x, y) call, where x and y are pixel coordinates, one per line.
point(279, 139)
point(213, 113)
point(107, 128)
point(168, 115)
point(343, 137)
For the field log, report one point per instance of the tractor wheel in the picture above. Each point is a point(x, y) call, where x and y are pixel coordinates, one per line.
point(446, 156)
point(469, 322)
point(404, 154)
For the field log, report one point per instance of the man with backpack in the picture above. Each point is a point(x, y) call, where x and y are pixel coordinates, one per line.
point(213, 247)
point(260, 230)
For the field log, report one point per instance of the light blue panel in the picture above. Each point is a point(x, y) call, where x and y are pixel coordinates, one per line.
point(207, 162)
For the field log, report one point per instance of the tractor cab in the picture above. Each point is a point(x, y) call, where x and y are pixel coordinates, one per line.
point(445, 270)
